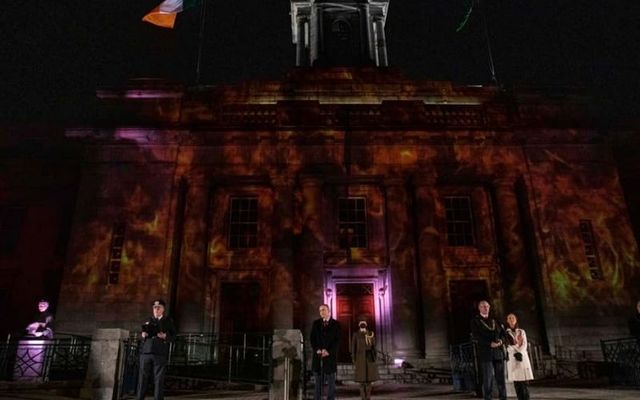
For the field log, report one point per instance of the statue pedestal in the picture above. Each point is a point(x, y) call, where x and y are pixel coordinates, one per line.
point(102, 379)
point(31, 359)
point(287, 365)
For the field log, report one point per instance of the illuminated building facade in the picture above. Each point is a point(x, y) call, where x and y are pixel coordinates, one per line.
point(247, 206)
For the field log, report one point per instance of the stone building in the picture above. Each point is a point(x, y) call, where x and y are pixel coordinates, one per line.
point(349, 184)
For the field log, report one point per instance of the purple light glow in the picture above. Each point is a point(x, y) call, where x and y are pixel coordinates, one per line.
point(30, 360)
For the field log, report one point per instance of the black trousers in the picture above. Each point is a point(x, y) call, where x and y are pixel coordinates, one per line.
point(493, 370)
point(522, 390)
point(156, 365)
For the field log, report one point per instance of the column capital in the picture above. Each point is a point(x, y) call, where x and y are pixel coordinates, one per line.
point(428, 179)
point(504, 182)
point(393, 181)
point(310, 180)
point(282, 180)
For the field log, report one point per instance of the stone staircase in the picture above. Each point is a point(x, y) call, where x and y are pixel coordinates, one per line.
point(397, 374)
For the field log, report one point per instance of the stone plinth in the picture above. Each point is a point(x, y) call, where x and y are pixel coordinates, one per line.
point(31, 356)
point(287, 345)
point(101, 380)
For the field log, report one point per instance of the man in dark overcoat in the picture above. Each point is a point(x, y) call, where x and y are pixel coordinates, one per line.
point(489, 335)
point(156, 334)
point(325, 339)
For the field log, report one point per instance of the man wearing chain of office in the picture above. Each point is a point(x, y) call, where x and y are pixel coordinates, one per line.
point(489, 336)
point(156, 334)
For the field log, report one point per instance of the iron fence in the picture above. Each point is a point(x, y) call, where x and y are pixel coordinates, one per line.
point(244, 358)
point(44, 360)
point(464, 367)
point(623, 360)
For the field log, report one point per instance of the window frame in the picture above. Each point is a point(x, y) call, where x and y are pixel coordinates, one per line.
point(252, 243)
point(460, 238)
point(364, 223)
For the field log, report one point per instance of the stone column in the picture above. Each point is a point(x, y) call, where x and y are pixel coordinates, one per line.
point(302, 46)
point(102, 374)
point(381, 41)
point(431, 274)
point(190, 299)
point(309, 260)
point(518, 283)
point(282, 284)
point(287, 365)
point(406, 319)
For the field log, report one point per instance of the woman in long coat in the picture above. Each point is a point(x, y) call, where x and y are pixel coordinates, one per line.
point(366, 370)
point(518, 365)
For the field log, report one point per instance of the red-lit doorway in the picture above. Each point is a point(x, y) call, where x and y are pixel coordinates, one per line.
point(353, 301)
point(465, 295)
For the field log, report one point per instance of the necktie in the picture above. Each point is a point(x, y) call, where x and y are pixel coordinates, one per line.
point(325, 323)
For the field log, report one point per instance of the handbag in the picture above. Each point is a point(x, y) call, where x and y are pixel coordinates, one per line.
point(371, 354)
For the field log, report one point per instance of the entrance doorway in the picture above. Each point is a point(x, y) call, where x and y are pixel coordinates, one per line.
point(353, 301)
point(239, 307)
point(465, 295)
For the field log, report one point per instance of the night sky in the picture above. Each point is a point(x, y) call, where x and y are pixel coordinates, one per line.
point(54, 54)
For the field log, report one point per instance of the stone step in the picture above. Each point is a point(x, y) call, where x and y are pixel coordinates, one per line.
point(387, 373)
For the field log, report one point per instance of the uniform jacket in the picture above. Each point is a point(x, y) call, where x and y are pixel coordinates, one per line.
point(365, 370)
point(153, 344)
point(325, 338)
point(484, 331)
point(518, 370)
point(634, 325)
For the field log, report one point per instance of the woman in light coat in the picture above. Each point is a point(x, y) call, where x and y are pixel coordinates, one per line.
point(366, 370)
point(518, 365)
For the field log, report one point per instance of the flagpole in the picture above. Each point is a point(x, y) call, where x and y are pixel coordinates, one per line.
point(485, 27)
point(203, 12)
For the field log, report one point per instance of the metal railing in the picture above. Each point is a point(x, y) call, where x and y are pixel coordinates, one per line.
point(623, 360)
point(36, 359)
point(464, 367)
point(228, 358)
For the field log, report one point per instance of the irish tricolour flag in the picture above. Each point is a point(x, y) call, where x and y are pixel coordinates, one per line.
point(165, 13)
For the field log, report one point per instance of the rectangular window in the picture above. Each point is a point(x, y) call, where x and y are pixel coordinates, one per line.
point(243, 223)
point(11, 221)
point(352, 222)
point(590, 250)
point(115, 255)
point(459, 221)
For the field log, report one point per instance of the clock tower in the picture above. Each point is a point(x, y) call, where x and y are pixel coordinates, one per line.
point(345, 33)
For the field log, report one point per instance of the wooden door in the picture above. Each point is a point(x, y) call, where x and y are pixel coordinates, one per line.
point(465, 295)
point(354, 301)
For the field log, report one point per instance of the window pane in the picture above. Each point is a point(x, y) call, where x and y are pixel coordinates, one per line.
point(243, 225)
point(352, 221)
point(459, 221)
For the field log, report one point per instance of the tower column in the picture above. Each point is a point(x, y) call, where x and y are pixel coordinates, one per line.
point(380, 41)
point(302, 46)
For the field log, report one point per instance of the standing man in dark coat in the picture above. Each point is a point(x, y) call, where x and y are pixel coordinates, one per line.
point(489, 336)
point(156, 334)
point(325, 339)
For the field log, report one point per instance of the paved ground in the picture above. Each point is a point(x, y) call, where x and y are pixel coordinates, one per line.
point(386, 392)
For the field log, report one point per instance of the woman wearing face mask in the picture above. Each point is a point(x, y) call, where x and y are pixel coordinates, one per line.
point(363, 353)
point(518, 365)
